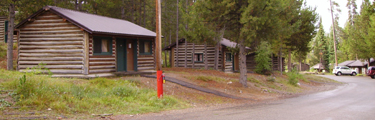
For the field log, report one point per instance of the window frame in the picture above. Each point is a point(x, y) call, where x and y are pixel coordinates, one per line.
point(198, 55)
point(96, 38)
point(230, 56)
point(142, 45)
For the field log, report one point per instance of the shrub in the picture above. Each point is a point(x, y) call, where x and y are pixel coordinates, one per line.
point(271, 79)
point(263, 58)
point(294, 77)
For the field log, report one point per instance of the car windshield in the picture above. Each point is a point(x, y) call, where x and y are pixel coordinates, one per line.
point(337, 67)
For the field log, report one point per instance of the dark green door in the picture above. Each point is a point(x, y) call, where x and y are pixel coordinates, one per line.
point(121, 54)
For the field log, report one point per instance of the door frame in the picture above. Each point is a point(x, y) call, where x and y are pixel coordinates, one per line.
point(135, 56)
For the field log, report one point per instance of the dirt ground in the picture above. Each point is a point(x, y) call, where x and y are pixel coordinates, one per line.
point(253, 94)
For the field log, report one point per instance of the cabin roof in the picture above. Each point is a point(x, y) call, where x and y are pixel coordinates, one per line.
point(318, 66)
point(357, 63)
point(224, 42)
point(95, 24)
point(346, 63)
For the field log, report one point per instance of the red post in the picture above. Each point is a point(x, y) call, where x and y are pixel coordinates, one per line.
point(159, 83)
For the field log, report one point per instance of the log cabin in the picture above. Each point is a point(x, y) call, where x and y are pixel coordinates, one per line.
point(2, 28)
point(195, 59)
point(76, 44)
point(228, 61)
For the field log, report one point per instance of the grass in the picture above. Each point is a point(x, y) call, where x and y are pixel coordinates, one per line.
point(209, 78)
point(3, 50)
point(100, 95)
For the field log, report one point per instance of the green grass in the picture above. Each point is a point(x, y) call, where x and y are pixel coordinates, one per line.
point(209, 78)
point(3, 50)
point(100, 95)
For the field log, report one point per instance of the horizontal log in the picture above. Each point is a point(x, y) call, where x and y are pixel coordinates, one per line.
point(50, 58)
point(102, 71)
point(51, 28)
point(52, 51)
point(145, 58)
point(48, 16)
point(49, 21)
point(37, 39)
point(145, 62)
point(102, 63)
point(53, 66)
point(49, 62)
point(102, 67)
point(145, 65)
point(48, 24)
point(57, 71)
point(146, 68)
point(102, 59)
point(53, 43)
point(49, 55)
point(51, 47)
point(50, 36)
point(44, 32)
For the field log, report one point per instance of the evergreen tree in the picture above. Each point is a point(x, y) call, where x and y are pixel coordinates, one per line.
point(321, 47)
point(263, 58)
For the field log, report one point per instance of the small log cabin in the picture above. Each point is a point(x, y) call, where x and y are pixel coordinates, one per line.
point(78, 44)
point(228, 61)
point(2, 28)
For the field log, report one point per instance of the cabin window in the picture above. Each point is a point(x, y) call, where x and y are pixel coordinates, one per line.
point(198, 57)
point(145, 47)
point(102, 45)
point(228, 56)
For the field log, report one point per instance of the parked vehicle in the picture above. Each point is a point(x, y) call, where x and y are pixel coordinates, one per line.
point(343, 70)
point(371, 72)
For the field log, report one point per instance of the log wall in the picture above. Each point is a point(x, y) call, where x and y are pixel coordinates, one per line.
point(228, 64)
point(2, 28)
point(198, 49)
point(250, 63)
point(51, 40)
point(146, 62)
point(102, 63)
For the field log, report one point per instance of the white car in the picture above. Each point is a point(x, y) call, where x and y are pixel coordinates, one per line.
point(343, 70)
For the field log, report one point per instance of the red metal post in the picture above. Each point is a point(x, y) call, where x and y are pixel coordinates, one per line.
point(159, 83)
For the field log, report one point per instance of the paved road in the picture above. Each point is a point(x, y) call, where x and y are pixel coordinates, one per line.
point(352, 101)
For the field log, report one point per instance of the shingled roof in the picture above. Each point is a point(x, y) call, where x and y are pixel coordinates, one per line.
point(96, 24)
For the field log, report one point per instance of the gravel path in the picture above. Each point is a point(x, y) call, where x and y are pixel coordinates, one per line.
point(189, 85)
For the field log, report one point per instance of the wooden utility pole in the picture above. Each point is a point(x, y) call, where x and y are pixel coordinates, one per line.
point(177, 37)
point(334, 33)
point(10, 37)
point(158, 50)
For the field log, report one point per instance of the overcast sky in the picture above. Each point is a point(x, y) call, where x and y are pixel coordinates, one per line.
point(322, 10)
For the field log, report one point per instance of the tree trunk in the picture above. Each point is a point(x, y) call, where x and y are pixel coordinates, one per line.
point(243, 70)
point(289, 60)
point(144, 14)
point(205, 56)
point(123, 10)
point(280, 62)
point(185, 63)
point(300, 64)
point(170, 52)
point(193, 61)
point(186, 28)
point(76, 5)
point(132, 11)
point(177, 37)
point(10, 37)
point(272, 62)
point(218, 48)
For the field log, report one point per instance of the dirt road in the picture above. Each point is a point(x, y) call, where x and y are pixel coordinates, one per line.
point(354, 100)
